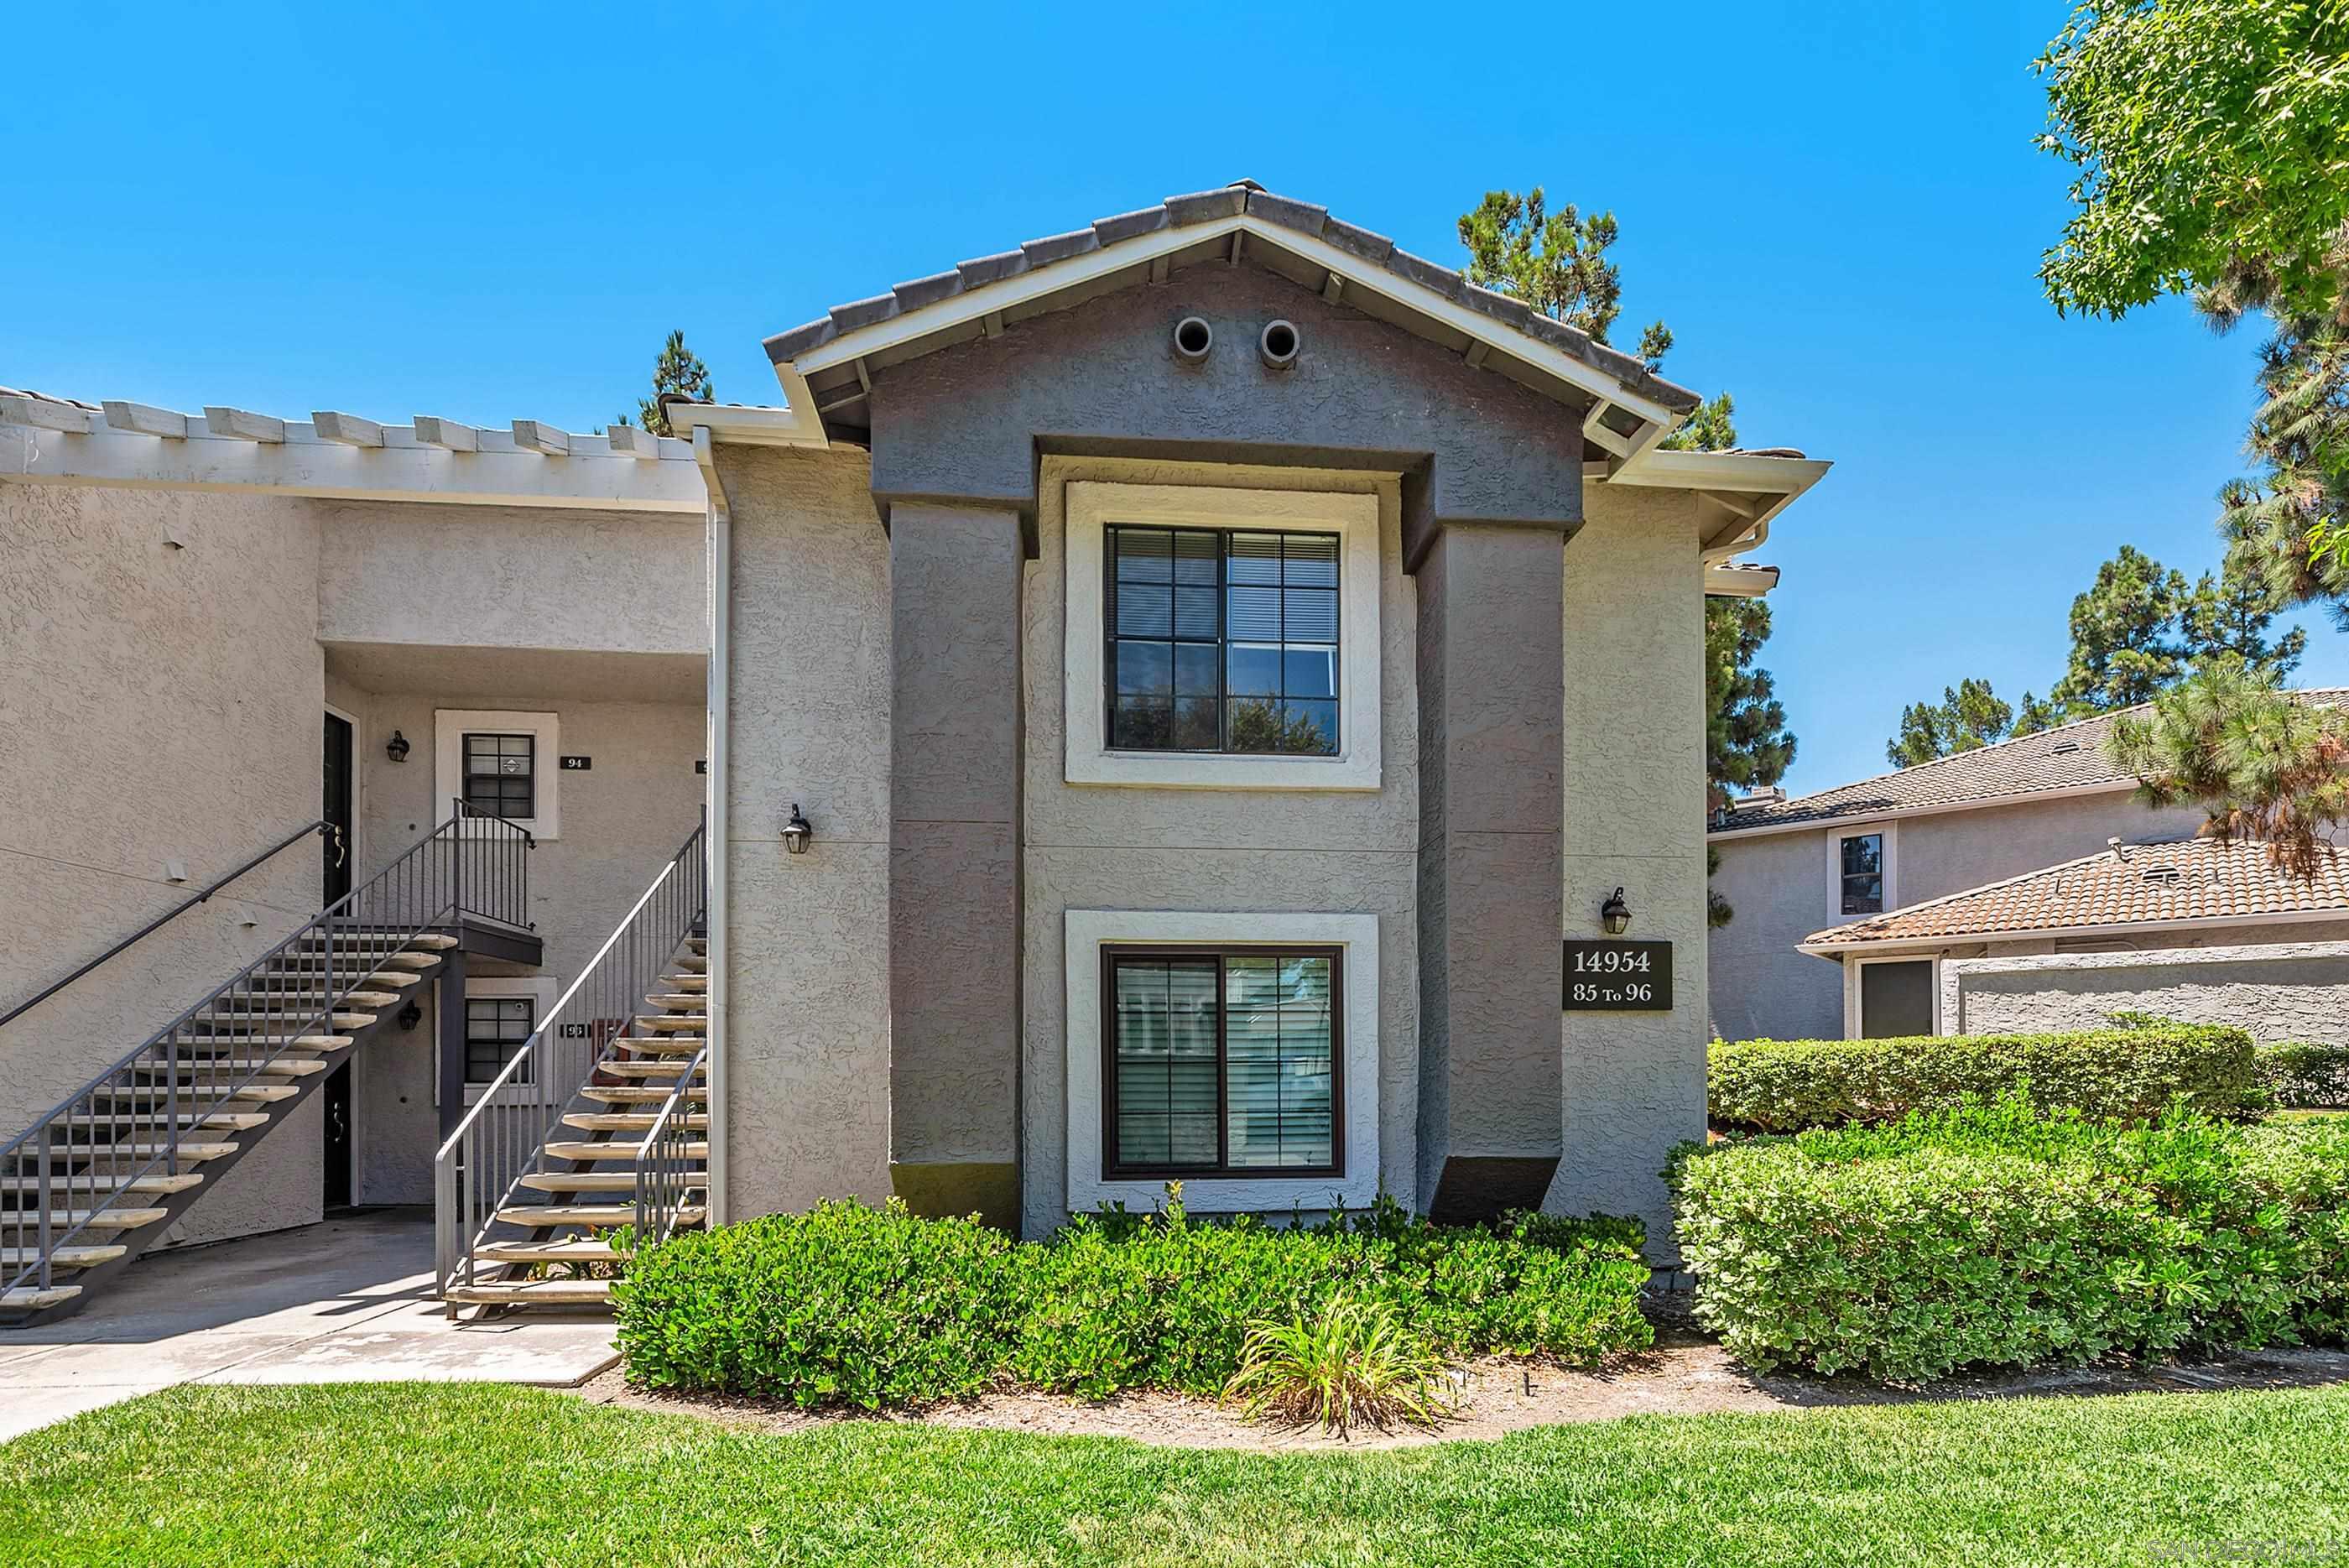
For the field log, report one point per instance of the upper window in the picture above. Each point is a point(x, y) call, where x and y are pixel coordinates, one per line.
point(1863, 874)
point(502, 773)
point(495, 1028)
point(1221, 1064)
point(1221, 640)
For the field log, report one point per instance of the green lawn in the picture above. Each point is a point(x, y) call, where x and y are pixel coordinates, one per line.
point(417, 1474)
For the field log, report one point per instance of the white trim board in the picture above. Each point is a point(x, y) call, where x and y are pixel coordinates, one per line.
point(1093, 504)
point(449, 728)
point(1086, 932)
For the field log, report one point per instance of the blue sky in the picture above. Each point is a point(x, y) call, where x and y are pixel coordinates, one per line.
point(492, 214)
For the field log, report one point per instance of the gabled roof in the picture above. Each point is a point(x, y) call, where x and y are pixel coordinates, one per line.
point(2183, 882)
point(833, 355)
point(2067, 757)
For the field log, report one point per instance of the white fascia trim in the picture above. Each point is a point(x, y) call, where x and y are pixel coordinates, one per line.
point(1089, 931)
point(2068, 933)
point(1668, 469)
point(1360, 276)
point(1722, 582)
point(591, 477)
point(718, 564)
point(1088, 760)
point(449, 728)
point(742, 425)
point(1732, 834)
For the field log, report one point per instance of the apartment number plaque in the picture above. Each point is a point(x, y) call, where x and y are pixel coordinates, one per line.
point(572, 764)
point(1609, 975)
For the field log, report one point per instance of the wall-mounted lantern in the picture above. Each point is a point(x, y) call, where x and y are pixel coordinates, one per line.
point(397, 748)
point(797, 834)
point(409, 1016)
point(1615, 915)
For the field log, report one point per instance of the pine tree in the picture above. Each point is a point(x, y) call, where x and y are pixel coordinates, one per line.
point(1968, 715)
point(2127, 643)
point(679, 371)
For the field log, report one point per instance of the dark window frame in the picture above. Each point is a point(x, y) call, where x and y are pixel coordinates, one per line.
point(1845, 877)
point(496, 1001)
point(1113, 1169)
point(465, 774)
point(1223, 641)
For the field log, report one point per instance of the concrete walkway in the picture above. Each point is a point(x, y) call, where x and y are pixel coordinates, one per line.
point(342, 1302)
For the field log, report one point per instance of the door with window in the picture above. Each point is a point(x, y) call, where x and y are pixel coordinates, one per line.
point(335, 808)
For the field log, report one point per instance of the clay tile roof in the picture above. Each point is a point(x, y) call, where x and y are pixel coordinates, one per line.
point(1244, 196)
point(2187, 880)
point(2069, 756)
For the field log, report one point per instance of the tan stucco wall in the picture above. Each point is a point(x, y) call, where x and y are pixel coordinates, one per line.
point(158, 703)
point(508, 578)
point(807, 972)
point(2280, 982)
point(1095, 847)
point(1779, 885)
point(1634, 784)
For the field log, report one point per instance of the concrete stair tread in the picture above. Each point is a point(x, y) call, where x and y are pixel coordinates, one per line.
point(668, 1071)
point(639, 1094)
point(27, 1219)
point(541, 1216)
point(618, 1148)
point(663, 1044)
point(34, 1298)
point(201, 1045)
point(668, 1023)
point(333, 1020)
point(679, 1002)
point(628, 1121)
point(583, 1182)
point(257, 1094)
point(688, 983)
point(578, 1250)
point(76, 1257)
point(30, 1186)
point(281, 1067)
point(534, 1292)
point(693, 963)
point(116, 1152)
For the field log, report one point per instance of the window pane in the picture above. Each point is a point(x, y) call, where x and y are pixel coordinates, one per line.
point(1198, 556)
point(1255, 558)
point(1310, 729)
point(1863, 854)
point(1165, 1019)
point(495, 1028)
point(1254, 615)
point(1195, 729)
point(1144, 556)
point(1277, 1040)
point(1252, 670)
point(1863, 894)
point(1195, 613)
point(1146, 669)
point(1142, 722)
point(1310, 614)
point(1309, 672)
point(1252, 724)
point(1311, 560)
point(1194, 670)
point(1145, 610)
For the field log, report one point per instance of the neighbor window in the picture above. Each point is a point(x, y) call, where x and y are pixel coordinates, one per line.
point(1221, 640)
point(1863, 874)
point(502, 773)
point(495, 1028)
point(1221, 1063)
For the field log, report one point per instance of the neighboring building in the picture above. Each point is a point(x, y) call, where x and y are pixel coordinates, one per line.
point(2191, 929)
point(1165, 689)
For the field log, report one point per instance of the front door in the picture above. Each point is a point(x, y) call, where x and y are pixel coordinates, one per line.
point(338, 1096)
point(336, 807)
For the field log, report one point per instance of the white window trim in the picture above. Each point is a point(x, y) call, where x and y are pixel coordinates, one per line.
point(1853, 992)
point(1089, 931)
point(1094, 504)
point(1891, 831)
point(449, 729)
point(542, 988)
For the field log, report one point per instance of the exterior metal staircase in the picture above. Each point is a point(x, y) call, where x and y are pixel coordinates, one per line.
point(101, 1177)
point(593, 1139)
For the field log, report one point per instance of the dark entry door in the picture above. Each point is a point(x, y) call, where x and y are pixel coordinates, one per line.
point(336, 807)
point(338, 1096)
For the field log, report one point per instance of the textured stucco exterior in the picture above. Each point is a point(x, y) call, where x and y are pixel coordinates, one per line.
point(807, 975)
point(2286, 987)
point(1782, 888)
point(1633, 814)
point(1090, 847)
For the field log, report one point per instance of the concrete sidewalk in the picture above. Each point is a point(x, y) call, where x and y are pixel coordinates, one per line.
point(343, 1301)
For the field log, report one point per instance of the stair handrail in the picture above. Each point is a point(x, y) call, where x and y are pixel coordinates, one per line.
point(165, 919)
point(421, 891)
point(666, 1175)
point(481, 1166)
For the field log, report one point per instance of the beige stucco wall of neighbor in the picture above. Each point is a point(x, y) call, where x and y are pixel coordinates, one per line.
point(1634, 785)
point(1103, 848)
point(511, 578)
point(2277, 984)
point(807, 969)
point(1780, 884)
point(159, 703)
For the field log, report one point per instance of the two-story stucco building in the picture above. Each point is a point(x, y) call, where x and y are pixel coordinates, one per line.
point(1159, 698)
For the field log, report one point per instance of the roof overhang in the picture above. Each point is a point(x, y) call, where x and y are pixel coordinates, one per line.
point(1741, 492)
point(1730, 833)
point(1919, 946)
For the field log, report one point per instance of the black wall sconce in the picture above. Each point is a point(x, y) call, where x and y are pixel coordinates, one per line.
point(397, 748)
point(797, 834)
point(409, 1016)
point(1615, 915)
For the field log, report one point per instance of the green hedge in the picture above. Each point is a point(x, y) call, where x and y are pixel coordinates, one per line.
point(2003, 1236)
point(873, 1307)
point(2304, 1076)
point(2123, 1074)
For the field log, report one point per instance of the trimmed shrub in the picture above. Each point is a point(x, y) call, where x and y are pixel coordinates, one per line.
point(2306, 1076)
point(2123, 1074)
point(2003, 1236)
point(874, 1307)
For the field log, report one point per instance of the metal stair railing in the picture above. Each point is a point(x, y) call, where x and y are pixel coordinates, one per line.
point(667, 1175)
point(479, 1169)
point(474, 864)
